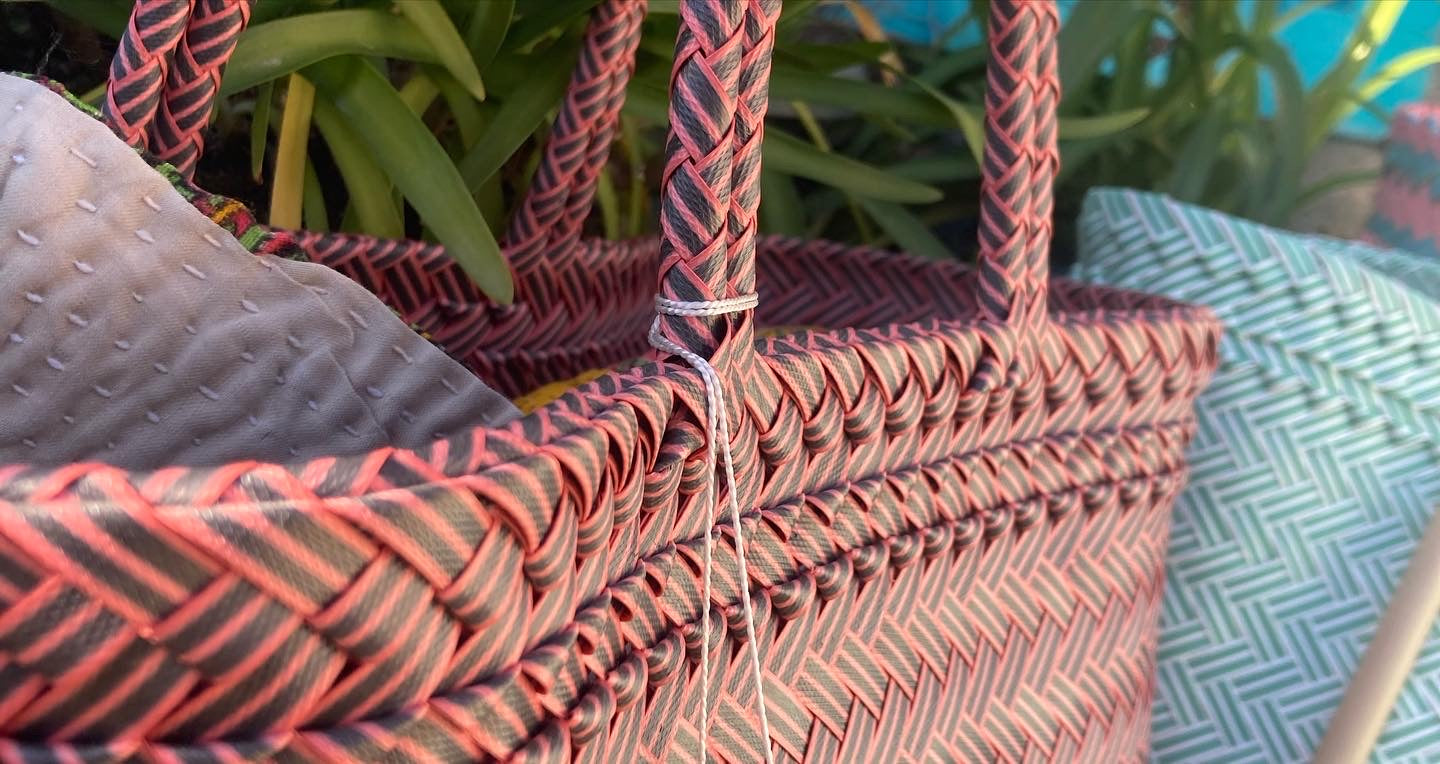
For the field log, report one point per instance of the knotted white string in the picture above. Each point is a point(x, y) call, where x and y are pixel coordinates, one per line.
point(717, 433)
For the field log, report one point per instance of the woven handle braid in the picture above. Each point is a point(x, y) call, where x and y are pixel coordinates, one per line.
point(1021, 92)
point(166, 74)
point(710, 189)
point(563, 190)
point(709, 193)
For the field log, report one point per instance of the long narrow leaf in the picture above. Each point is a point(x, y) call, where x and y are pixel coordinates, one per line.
point(419, 92)
point(926, 105)
point(792, 156)
point(463, 109)
point(907, 230)
point(609, 203)
point(314, 202)
point(635, 161)
point(260, 129)
point(1093, 32)
point(277, 48)
point(372, 203)
point(1100, 126)
point(781, 210)
point(542, 19)
point(1328, 100)
point(287, 190)
point(519, 115)
point(434, 24)
point(486, 31)
point(1397, 69)
point(418, 165)
point(1192, 168)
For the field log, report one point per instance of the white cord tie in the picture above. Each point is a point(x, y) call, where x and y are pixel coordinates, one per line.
point(717, 433)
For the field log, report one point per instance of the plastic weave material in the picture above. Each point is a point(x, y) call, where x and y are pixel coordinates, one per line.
point(1407, 199)
point(1315, 470)
point(956, 504)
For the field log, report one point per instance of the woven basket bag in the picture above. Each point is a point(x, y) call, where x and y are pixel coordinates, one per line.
point(1407, 199)
point(1315, 470)
point(955, 502)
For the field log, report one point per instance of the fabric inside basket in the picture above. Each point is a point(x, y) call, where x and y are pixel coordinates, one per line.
point(139, 333)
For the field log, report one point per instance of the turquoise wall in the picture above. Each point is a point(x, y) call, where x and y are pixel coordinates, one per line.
point(1312, 40)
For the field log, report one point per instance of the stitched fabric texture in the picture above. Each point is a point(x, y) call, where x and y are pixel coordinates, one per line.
point(1314, 471)
point(139, 333)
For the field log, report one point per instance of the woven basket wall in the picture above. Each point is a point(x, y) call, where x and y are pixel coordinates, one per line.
point(956, 498)
point(1315, 470)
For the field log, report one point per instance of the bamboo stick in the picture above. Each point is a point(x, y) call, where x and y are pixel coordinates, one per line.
point(1388, 658)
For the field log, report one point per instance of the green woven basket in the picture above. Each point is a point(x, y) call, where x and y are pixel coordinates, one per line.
point(1315, 468)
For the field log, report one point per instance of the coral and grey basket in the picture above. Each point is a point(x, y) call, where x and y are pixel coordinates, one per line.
point(956, 506)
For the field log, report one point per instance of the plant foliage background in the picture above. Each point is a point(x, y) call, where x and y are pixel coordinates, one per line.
point(426, 118)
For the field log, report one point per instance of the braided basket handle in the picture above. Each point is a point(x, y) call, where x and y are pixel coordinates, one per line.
point(710, 189)
point(166, 74)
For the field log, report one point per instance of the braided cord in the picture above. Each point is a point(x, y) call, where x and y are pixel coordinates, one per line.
point(176, 134)
point(138, 71)
point(1008, 179)
point(717, 431)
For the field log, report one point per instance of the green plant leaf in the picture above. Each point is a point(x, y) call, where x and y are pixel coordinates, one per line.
point(788, 154)
point(908, 231)
point(609, 203)
point(520, 114)
point(639, 194)
point(832, 56)
point(287, 188)
point(419, 92)
point(1397, 69)
point(781, 210)
point(372, 202)
point(543, 19)
point(1190, 173)
point(314, 203)
point(944, 169)
point(277, 48)
point(464, 110)
point(402, 145)
point(1090, 35)
point(1329, 101)
point(260, 129)
point(434, 24)
point(1100, 126)
point(970, 122)
point(487, 28)
point(795, 10)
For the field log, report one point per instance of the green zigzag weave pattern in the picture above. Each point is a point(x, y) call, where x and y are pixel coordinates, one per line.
point(1314, 469)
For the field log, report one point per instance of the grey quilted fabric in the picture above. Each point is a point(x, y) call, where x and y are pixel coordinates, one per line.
point(135, 331)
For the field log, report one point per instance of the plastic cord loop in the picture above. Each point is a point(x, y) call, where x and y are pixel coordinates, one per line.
point(717, 432)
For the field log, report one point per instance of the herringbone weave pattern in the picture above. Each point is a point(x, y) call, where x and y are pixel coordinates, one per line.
point(1407, 199)
point(955, 507)
point(1314, 469)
